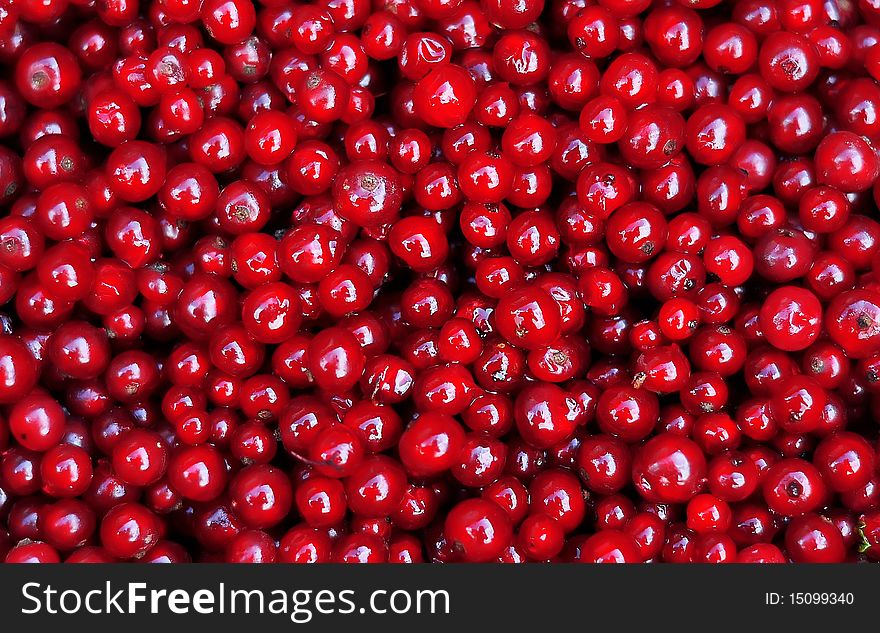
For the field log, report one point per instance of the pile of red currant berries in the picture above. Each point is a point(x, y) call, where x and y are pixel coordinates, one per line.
point(439, 280)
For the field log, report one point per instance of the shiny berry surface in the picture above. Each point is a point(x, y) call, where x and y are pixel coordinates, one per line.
point(439, 281)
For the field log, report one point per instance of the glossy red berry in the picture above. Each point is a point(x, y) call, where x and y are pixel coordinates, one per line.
point(545, 415)
point(845, 460)
point(814, 539)
point(140, 457)
point(791, 318)
point(847, 162)
point(478, 529)
point(367, 193)
point(788, 61)
point(261, 496)
point(669, 469)
point(431, 444)
point(445, 96)
point(197, 473)
point(792, 487)
point(528, 317)
point(610, 546)
point(129, 531)
point(47, 75)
